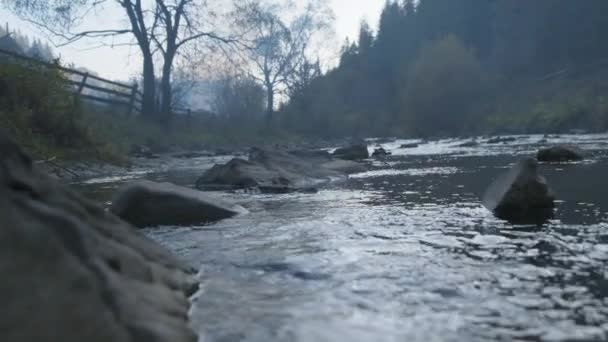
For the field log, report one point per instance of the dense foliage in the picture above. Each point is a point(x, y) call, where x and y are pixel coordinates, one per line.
point(37, 108)
point(439, 67)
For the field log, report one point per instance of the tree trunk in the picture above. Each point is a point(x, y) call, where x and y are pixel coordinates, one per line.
point(166, 89)
point(269, 103)
point(148, 107)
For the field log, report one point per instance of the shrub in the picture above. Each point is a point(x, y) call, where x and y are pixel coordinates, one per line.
point(36, 106)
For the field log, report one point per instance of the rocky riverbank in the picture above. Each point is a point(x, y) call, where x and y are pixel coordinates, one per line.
point(74, 272)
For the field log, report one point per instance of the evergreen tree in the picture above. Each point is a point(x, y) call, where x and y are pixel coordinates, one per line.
point(508, 43)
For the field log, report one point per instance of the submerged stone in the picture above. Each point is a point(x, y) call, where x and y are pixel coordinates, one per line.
point(472, 143)
point(353, 152)
point(501, 140)
point(560, 153)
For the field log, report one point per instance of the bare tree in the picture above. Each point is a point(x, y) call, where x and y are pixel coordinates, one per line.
point(183, 21)
point(238, 97)
point(279, 40)
point(163, 26)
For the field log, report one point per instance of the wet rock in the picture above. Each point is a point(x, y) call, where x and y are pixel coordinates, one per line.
point(318, 155)
point(501, 140)
point(412, 145)
point(546, 247)
point(560, 154)
point(74, 171)
point(380, 152)
point(543, 141)
point(192, 155)
point(148, 204)
point(353, 152)
point(472, 143)
point(344, 166)
point(384, 140)
point(276, 172)
point(73, 272)
point(141, 151)
point(521, 196)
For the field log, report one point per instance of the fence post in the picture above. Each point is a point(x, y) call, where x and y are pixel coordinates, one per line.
point(83, 83)
point(81, 86)
point(132, 99)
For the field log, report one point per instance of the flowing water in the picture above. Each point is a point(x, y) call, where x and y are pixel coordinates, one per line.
point(404, 252)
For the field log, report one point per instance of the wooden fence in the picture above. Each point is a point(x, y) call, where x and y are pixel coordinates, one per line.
point(93, 88)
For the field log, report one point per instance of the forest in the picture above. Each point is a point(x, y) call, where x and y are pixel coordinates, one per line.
point(432, 68)
point(461, 67)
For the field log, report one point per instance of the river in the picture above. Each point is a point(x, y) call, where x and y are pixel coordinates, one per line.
point(404, 252)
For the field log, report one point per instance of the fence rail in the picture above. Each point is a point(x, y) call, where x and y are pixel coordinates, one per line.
point(104, 91)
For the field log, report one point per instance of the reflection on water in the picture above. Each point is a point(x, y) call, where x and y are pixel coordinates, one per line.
point(406, 252)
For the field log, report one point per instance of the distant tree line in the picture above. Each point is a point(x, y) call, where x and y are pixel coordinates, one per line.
point(15, 41)
point(447, 67)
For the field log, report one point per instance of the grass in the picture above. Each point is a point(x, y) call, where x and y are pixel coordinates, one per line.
point(119, 133)
point(39, 111)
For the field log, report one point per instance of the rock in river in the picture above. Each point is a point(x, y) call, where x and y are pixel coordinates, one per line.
point(148, 204)
point(380, 152)
point(470, 143)
point(72, 272)
point(560, 154)
point(353, 152)
point(501, 140)
point(521, 196)
point(277, 172)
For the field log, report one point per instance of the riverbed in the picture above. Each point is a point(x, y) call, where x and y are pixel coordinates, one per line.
point(403, 252)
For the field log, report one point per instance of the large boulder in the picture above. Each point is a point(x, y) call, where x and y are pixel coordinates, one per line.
point(276, 172)
point(521, 196)
point(560, 154)
point(238, 174)
point(73, 272)
point(148, 204)
point(353, 152)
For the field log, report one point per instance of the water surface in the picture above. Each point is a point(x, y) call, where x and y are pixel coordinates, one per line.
point(404, 252)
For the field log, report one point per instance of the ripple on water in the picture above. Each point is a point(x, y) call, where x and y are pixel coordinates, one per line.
point(407, 253)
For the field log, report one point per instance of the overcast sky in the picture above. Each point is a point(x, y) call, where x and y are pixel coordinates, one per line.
point(122, 63)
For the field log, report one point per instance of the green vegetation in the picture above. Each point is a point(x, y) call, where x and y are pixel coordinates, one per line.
point(184, 133)
point(446, 79)
point(39, 111)
point(433, 68)
point(460, 67)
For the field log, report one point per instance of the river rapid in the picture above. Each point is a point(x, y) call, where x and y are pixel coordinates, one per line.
point(404, 252)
